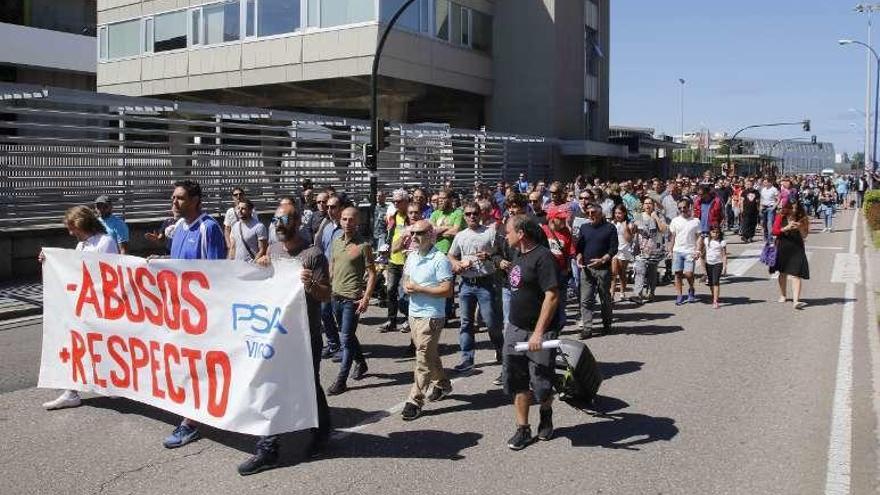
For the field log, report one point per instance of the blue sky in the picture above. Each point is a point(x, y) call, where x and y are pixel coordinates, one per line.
point(744, 62)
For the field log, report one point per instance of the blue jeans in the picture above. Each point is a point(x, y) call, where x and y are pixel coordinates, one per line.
point(768, 216)
point(505, 304)
point(828, 216)
point(563, 301)
point(482, 292)
point(347, 318)
point(328, 321)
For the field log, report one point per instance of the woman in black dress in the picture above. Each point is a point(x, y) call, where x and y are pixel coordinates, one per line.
point(750, 205)
point(791, 228)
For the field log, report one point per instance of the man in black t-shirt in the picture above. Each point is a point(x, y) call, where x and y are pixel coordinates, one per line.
point(534, 287)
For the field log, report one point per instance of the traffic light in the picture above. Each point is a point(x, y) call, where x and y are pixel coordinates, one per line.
point(381, 138)
point(807, 125)
point(813, 139)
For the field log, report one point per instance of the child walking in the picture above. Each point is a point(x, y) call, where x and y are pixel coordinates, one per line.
point(714, 249)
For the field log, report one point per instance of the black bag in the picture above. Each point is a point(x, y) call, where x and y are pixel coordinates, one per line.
point(580, 376)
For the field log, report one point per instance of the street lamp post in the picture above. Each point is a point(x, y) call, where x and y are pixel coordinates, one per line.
point(805, 123)
point(681, 101)
point(372, 153)
point(876, 95)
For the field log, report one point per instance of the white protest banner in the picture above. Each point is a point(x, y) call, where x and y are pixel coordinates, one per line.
point(223, 343)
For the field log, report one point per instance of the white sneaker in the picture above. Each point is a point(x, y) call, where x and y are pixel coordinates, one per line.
point(69, 398)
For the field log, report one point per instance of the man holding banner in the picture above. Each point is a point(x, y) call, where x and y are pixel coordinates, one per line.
point(292, 243)
point(197, 236)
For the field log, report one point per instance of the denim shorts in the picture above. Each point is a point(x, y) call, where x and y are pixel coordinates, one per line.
point(683, 262)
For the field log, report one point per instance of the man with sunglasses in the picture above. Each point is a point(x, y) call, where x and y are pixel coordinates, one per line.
point(329, 231)
point(472, 255)
point(428, 282)
point(318, 215)
point(397, 225)
point(447, 221)
point(536, 207)
point(291, 243)
point(596, 246)
point(231, 215)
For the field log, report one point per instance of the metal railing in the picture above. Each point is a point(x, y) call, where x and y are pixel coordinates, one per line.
point(63, 151)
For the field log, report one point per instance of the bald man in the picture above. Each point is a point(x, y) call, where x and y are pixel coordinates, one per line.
point(428, 282)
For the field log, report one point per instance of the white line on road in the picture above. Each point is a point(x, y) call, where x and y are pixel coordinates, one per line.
point(830, 248)
point(741, 264)
point(837, 480)
point(847, 269)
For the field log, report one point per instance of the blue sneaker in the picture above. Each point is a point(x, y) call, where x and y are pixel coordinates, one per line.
point(679, 300)
point(181, 436)
point(691, 297)
point(465, 367)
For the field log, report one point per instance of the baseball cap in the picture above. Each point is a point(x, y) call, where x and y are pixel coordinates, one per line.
point(103, 200)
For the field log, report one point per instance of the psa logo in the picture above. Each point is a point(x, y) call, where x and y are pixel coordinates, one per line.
point(256, 318)
point(259, 350)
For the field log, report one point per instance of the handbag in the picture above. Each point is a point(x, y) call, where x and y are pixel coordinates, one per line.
point(768, 254)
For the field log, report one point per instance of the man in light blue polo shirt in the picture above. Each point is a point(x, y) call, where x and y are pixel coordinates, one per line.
point(114, 225)
point(428, 281)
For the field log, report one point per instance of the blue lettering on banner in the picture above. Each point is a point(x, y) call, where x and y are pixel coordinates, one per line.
point(256, 318)
point(259, 350)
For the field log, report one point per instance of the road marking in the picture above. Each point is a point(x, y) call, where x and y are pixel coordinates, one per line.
point(740, 265)
point(830, 248)
point(847, 269)
point(837, 480)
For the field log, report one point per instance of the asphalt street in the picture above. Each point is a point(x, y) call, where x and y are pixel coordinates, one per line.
point(736, 400)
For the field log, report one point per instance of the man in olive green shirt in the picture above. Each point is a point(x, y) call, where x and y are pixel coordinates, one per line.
point(447, 222)
point(350, 257)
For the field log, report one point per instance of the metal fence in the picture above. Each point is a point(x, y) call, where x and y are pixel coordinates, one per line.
point(60, 148)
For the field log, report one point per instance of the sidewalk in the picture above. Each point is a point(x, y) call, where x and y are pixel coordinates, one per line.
point(20, 299)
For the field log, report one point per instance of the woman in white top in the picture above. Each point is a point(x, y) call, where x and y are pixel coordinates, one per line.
point(82, 224)
point(625, 254)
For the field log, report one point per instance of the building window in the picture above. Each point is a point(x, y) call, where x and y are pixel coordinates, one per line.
point(411, 19)
point(592, 52)
point(250, 18)
point(341, 12)
point(102, 43)
point(441, 19)
point(170, 31)
point(481, 31)
point(196, 26)
point(591, 122)
point(222, 23)
point(123, 39)
point(148, 35)
point(277, 16)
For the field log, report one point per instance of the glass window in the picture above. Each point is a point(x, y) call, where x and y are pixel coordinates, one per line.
point(148, 35)
point(250, 18)
point(592, 52)
point(441, 19)
point(465, 23)
point(196, 26)
point(458, 24)
point(278, 16)
point(481, 31)
point(410, 19)
point(340, 12)
point(314, 13)
point(221, 23)
point(102, 42)
point(169, 31)
point(123, 39)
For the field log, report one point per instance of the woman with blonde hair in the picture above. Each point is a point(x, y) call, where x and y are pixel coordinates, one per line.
point(82, 224)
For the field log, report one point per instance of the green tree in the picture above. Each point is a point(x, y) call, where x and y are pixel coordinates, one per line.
point(857, 161)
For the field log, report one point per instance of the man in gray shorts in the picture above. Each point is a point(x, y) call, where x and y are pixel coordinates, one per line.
point(534, 286)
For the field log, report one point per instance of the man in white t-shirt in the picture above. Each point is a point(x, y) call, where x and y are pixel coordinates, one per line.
point(231, 215)
point(249, 237)
point(684, 232)
point(769, 198)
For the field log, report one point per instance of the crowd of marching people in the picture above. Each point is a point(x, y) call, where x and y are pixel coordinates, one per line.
point(517, 259)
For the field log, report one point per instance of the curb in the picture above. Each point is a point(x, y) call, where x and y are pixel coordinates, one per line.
point(12, 314)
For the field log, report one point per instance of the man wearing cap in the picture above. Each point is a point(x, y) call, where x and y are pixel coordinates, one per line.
point(562, 247)
point(114, 225)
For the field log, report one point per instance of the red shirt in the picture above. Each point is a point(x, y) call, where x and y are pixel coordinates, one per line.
point(561, 246)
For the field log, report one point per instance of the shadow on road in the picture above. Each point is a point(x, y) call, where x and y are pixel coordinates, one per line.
point(826, 301)
point(490, 399)
point(418, 444)
point(620, 431)
point(648, 330)
point(631, 317)
point(610, 370)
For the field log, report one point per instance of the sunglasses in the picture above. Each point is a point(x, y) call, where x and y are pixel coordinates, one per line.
point(332, 206)
point(321, 202)
point(235, 195)
point(419, 232)
point(283, 220)
point(471, 213)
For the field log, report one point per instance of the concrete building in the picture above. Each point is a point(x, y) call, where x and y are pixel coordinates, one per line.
point(537, 67)
point(48, 42)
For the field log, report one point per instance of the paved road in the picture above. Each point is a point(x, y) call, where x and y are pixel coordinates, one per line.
point(696, 400)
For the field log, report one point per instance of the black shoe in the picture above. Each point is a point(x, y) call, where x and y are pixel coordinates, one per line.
point(586, 334)
point(438, 393)
point(337, 388)
point(499, 357)
point(521, 439)
point(388, 326)
point(259, 462)
point(545, 427)
point(329, 351)
point(337, 358)
point(359, 371)
point(410, 411)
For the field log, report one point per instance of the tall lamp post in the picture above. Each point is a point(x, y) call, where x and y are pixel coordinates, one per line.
point(377, 127)
point(681, 107)
point(804, 123)
point(873, 168)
